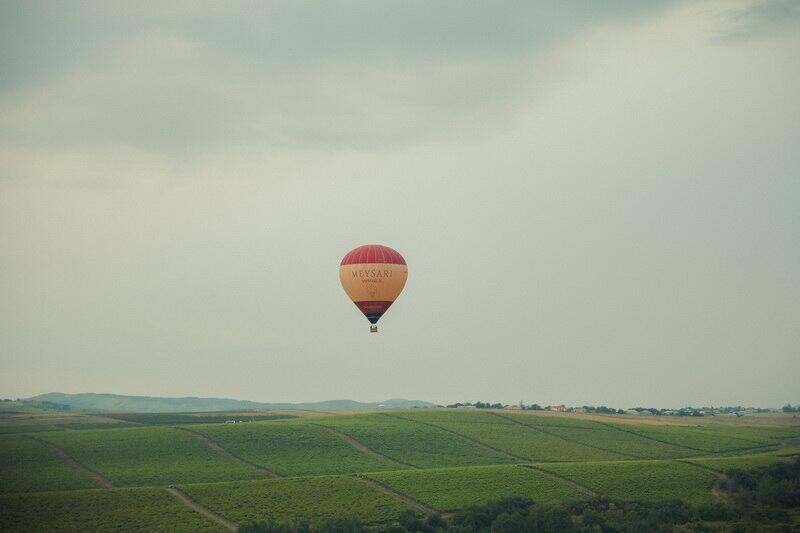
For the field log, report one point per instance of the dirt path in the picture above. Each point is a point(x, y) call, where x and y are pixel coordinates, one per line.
point(97, 477)
point(408, 500)
point(360, 446)
point(715, 491)
point(226, 454)
point(191, 504)
point(584, 489)
point(463, 437)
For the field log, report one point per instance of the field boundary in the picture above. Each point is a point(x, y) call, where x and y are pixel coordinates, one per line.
point(561, 479)
point(565, 439)
point(217, 447)
point(389, 491)
point(732, 451)
point(714, 471)
point(464, 437)
point(360, 446)
point(98, 478)
point(655, 439)
point(196, 507)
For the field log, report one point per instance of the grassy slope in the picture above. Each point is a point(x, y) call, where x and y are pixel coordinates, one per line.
point(704, 438)
point(293, 449)
point(312, 499)
point(624, 443)
point(162, 455)
point(148, 456)
point(641, 480)
point(522, 441)
point(29, 466)
point(140, 509)
point(29, 422)
point(413, 443)
point(453, 488)
point(741, 462)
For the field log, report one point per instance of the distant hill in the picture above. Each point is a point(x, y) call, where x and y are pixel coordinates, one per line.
point(89, 401)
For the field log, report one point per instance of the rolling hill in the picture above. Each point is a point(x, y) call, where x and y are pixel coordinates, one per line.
point(117, 403)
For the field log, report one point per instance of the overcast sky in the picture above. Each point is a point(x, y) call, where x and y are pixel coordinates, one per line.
point(599, 202)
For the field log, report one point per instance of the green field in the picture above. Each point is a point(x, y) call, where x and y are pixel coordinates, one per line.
point(545, 420)
point(523, 442)
point(446, 459)
point(413, 443)
point(741, 462)
point(30, 466)
point(312, 499)
point(148, 456)
point(31, 422)
point(454, 488)
point(139, 509)
point(641, 480)
point(627, 444)
point(705, 439)
point(293, 449)
point(171, 419)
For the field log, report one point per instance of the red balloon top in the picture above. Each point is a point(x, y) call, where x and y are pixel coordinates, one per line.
point(373, 253)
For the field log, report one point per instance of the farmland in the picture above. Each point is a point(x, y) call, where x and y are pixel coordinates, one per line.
point(738, 462)
point(147, 456)
point(578, 440)
point(455, 488)
point(293, 449)
point(163, 419)
point(707, 439)
point(27, 465)
point(415, 444)
point(370, 466)
point(27, 422)
point(141, 509)
point(313, 499)
point(640, 480)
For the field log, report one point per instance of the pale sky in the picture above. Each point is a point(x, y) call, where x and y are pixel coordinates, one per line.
point(599, 202)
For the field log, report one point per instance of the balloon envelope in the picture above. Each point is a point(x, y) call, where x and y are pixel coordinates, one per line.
point(373, 276)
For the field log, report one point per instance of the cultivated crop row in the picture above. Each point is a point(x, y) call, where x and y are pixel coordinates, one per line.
point(313, 499)
point(641, 480)
point(455, 488)
point(137, 509)
point(293, 449)
point(148, 456)
point(30, 466)
point(413, 443)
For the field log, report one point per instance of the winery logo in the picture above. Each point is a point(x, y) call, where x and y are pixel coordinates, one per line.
point(372, 273)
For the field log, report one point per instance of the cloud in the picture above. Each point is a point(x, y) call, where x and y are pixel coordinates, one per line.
point(762, 19)
point(347, 74)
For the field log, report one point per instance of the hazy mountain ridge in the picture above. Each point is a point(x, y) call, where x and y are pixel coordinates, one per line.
point(155, 404)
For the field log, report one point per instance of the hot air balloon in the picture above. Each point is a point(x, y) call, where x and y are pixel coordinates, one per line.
point(373, 276)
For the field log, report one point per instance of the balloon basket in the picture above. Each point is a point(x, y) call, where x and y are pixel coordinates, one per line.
point(373, 329)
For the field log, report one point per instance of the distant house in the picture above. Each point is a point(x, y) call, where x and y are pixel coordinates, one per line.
point(558, 408)
point(631, 412)
point(580, 410)
point(513, 407)
point(466, 407)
